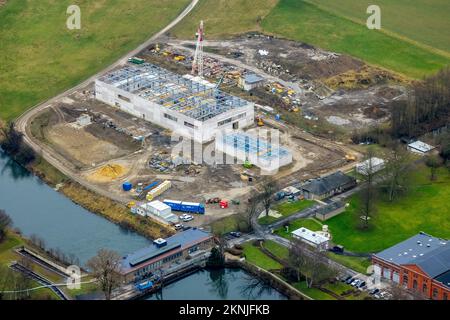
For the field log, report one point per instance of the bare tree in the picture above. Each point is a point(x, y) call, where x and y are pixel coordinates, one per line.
point(433, 162)
point(105, 267)
point(249, 213)
point(368, 193)
point(397, 171)
point(5, 222)
point(310, 263)
point(269, 187)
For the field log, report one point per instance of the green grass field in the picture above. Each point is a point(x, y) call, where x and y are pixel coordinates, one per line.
point(287, 209)
point(301, 21)
point(40, 57)
point(256, 256)
point(424, 208)
point(224, 18)
point(426, 22)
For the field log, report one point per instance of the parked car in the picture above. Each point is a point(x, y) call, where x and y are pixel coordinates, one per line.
point(186, 217)
point(178, 226)
point(355, 282)
point(235, 234)
point(347, 278)
point(361, 285)
point(350, 280)
point(374, 291)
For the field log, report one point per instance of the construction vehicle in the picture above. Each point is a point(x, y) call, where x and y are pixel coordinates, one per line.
point(350, 157)
point(180, 58)
point(259, 121)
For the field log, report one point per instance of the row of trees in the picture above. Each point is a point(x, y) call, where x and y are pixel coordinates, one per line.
point(426, 108)
point(5, 222)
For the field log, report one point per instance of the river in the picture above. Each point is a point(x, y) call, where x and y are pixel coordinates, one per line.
point(36, 208)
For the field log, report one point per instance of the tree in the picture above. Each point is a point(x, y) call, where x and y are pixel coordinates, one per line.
point(397, 171)
point(444, 150)
point(217, 258)
point(309, 262)
point(13, 144)
point(105, 268)
point(269, 187)
point(251, 210)
point(5, 222)
point(433, 162)
point(368, 193)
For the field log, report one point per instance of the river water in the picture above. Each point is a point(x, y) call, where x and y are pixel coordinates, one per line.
point(36, 208)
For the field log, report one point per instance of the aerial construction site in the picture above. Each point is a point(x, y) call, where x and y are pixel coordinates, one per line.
point(188, 121)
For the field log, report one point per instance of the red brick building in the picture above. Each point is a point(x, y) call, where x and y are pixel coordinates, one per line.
point(420, 264)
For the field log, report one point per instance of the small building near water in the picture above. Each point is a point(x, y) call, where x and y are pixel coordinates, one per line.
point(163, 253)
point(313, 238)
point(156, 209)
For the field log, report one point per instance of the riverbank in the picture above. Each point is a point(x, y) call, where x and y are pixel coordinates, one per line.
point(95, 203)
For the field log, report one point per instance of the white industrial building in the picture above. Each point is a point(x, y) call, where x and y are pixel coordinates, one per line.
point(372, 165)
point(245, 147)
point(250, 81)
point(187, 105)
point(158, 210)
point(420, 147)
point(312, 238)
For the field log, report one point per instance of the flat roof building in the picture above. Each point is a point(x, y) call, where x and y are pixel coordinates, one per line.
point(250, 81)
point(313, 238)
point(420, 147)
point(248, 147)
point(163, 253)
point(372, 165)
point(420, 263)
point(187, 105)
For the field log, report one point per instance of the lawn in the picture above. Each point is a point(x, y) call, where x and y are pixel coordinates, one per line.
point(256, 256)
point(7, 255)
point(40, 57)
point(287, 209)
point(314, 293)
point(425, 22)
point(308, 223)
point(359, 264)
point(277, 249)
point(224, 18)
point(424, 208)
point(298, 20)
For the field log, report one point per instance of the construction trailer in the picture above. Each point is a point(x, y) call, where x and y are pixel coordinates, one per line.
point(188, 105)
point(153, 193)
point(156, 210)
point(246, 147)
point(192, 207)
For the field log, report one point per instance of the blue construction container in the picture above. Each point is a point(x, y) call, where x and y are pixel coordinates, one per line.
point(127, 186)
point(192, 207)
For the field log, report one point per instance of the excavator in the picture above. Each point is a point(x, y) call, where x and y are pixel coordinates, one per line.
point(259, 121)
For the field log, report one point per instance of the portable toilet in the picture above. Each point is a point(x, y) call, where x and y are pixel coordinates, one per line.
point(127, 186)
point(277, 117)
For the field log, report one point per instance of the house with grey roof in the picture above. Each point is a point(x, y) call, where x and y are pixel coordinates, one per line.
point(250, 81)
point(420, 263)
point(328, 186)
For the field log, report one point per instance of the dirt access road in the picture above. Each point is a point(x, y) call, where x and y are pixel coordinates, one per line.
point(22, 123)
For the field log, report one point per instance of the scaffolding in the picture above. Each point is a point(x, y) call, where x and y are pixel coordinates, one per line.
point(195, 98)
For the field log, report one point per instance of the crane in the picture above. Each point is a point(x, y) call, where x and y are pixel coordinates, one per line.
point(197, 64)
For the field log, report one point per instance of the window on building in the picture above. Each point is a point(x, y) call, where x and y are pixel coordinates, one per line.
point(188, 124)
point(405, 279)
point(415, 284)
point(435, 293)
point(445, 296)
point(168, 116)
point(424, 287)
point(223, 122)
